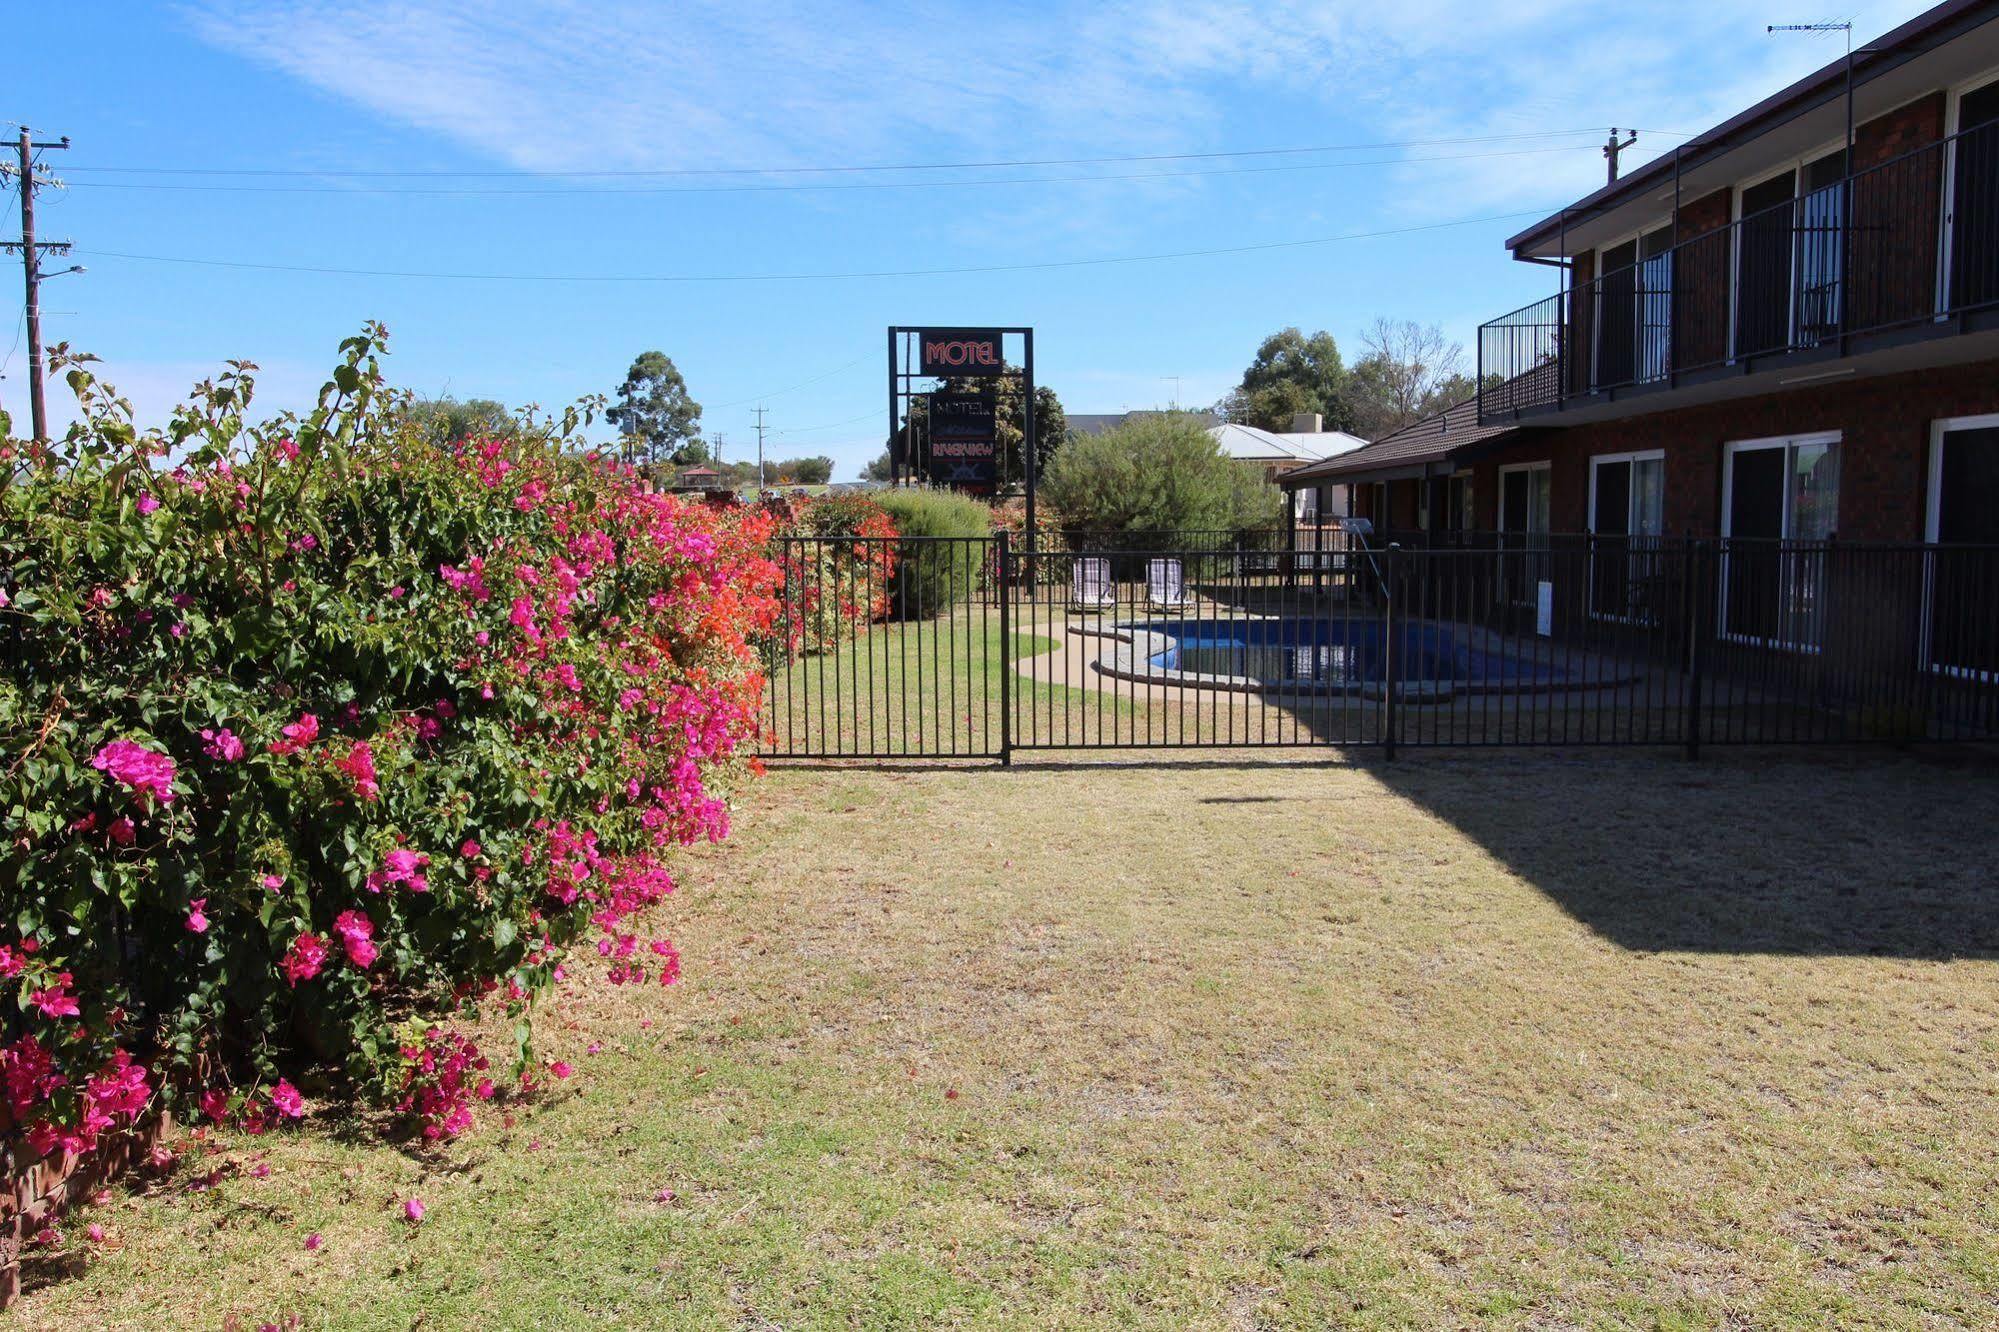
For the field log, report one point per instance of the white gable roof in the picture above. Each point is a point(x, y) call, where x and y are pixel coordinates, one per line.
point(1253, 445)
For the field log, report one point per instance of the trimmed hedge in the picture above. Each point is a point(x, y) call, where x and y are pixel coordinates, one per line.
point(933, 576)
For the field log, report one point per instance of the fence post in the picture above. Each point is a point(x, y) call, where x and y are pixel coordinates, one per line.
point(1389, 664)
point(1003, 567)
point(1691, 584)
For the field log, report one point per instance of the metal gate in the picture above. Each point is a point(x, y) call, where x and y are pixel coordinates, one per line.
point(970, 648)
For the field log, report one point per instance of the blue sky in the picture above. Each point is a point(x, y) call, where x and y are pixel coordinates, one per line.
point(1497, 110)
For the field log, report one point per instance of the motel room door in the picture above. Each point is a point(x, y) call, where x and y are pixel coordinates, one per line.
point(1962, 629)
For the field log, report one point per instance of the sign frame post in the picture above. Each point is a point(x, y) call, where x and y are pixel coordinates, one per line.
point(935, 351)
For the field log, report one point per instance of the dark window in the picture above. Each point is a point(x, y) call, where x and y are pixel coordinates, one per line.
point(1964, 633)
point(1617, 315)
point(1968, 487)
point(1763, 267)
point(1974, 201)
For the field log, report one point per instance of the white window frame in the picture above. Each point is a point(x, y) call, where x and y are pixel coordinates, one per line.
point(1794, 168)
point(1634, 456)
point(1463, 478)
point(1953, 120)
point(1499, 514)
point(1636, 239)
point(1932, 529)
point(1728, 452)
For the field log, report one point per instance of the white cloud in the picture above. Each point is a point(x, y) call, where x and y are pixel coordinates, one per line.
point(631, 84)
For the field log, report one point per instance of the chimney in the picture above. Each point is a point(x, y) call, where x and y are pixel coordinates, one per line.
point(1306, 423)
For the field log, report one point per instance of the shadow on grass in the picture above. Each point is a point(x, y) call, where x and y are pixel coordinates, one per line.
point(1842, 852)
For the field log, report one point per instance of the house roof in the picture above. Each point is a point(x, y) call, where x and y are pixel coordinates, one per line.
point(1409, 450)
point(1828, 84)
point(1249, 444)
point(1096, 423)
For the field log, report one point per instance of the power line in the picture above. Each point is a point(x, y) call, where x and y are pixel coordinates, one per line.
point(677, 278)
point(803, 383)
point(817, 170)
point(830, 425)
point(822, 188)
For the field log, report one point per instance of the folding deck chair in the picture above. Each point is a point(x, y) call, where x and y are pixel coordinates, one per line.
point(1090, 585)
point(1165, 585)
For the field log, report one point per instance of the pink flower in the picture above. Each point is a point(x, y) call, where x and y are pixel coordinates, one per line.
point(148, 773)
point(403, 866)
point(413, 1210)
point(298, 735)
point(357, 935)
point(312, 1242)
point(197, 919)
point(56, 1001)
point(305, 957)
point(560, 1069)
point(222, 745)
point(470, 849)
point(273, 882)
point(94, 1231)
point(285, 1099)
point(360, 765)
point(147, 503)
point(215, 1104)
point(123, 831)
point(12, 963)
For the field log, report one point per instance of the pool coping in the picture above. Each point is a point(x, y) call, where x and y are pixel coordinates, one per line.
point(1130, 659)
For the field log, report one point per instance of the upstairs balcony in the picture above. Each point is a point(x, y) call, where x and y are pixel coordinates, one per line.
point(1901, 251)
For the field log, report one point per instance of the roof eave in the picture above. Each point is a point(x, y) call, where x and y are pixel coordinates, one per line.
point(1821, 85)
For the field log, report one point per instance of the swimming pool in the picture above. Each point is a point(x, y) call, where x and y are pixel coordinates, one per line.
point(1327, 654)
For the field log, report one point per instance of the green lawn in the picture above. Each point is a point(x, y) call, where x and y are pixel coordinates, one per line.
point(925, 687)
point(1514, 1040)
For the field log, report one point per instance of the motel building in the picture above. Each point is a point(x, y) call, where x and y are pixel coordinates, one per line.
point(1778, 342)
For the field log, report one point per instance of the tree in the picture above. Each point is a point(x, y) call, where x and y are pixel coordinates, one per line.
point(1160, 473)
point(447, 420)
point(1410, 371)
point(658, 420)
point(814, 471)
point(1292, 373)
point(1051, 423)
point(882, 469)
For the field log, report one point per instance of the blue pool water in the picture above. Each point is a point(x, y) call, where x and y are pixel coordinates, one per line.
point(1334, 652)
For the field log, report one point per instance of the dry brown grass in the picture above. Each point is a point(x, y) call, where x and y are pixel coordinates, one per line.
point(1520, 1040)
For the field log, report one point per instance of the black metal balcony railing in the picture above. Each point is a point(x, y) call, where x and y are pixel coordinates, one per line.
point(1909, 240)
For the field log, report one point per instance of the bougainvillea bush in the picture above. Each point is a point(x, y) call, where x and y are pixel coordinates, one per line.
point(838, 567)
point(318, 736)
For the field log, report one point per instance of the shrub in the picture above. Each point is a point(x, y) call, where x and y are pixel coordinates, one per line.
point(933, 576)
point(834, 588)
point(322, 731)
point(1157, 474)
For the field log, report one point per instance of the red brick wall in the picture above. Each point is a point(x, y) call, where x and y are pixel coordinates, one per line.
point(1902, 130)
point(1884, 449)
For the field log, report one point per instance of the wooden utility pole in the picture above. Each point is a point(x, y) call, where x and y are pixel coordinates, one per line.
point(760, 450)
point(31, 274)
point(1611, 149)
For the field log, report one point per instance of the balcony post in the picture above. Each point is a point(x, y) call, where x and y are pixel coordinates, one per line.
point(1846, 207)
point(1673, 283)
point(1565, 321)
